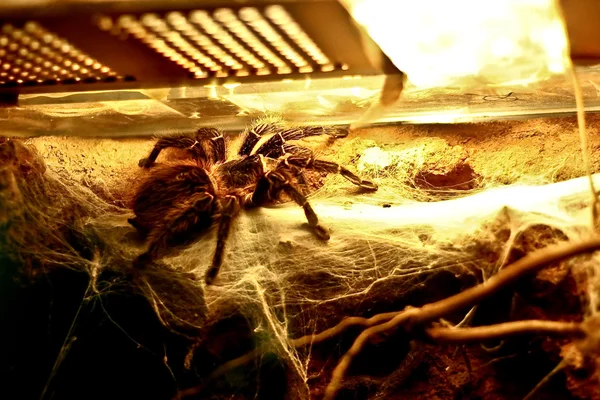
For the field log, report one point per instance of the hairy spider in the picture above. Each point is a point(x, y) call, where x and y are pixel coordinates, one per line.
point(180, 201)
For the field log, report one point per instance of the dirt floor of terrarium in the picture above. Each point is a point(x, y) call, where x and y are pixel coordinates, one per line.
point(104, 332)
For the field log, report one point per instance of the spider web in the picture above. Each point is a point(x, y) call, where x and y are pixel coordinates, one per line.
point(276, 274)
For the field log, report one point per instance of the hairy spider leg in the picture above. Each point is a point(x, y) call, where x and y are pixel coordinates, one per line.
point(217, 143)
point(311, 162)
point(181, 227)
point(253, 135)
point(297, 171)
point(272, 184)
point(297, 150)
point(206, 140)
point(283, 133)
point(277, 145)
point(230, 207)
point(262, 193)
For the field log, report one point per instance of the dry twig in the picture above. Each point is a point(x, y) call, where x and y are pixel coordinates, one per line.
point(412, 317)
point(507, 329)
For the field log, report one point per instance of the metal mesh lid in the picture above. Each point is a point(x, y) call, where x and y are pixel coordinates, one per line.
point(112, 45)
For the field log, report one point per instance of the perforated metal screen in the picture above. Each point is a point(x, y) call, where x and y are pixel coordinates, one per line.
point(108, 45)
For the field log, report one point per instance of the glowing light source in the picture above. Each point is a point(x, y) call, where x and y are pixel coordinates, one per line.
point(438, 42)
point(374, 158)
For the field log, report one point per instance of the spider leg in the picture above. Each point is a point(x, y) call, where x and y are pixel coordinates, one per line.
point(253, 135)
point(275, 147)
point(181, 226)
point(336, 132)
point(230, 206)
point(207, 140)
point(297, 150)
point(262, 194)
point(180, 142)
point(298, 172)
point(272, 184)
point(283, 134)
point(310, 162)
point(216, 140)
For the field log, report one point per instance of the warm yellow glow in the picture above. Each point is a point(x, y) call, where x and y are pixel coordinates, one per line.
point(231, 86)
point(464, 214)
point(212, 91)
point(440, 42)
point(374, 158)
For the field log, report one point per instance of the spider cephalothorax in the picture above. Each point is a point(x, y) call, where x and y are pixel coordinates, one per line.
point(181, 201)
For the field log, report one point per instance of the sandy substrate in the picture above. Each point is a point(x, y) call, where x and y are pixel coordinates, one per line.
point(452, 158)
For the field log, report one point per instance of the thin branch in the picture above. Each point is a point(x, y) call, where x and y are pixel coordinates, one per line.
point(468, 298)
point(341, 327)
point(546, 379)
point(468, 318)
point(507, 329)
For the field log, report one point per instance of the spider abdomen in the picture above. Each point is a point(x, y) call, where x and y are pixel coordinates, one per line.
point(167, 188)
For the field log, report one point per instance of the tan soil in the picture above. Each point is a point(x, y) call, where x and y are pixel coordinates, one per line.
point(457, 157)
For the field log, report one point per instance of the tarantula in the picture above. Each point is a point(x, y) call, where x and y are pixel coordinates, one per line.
point(181, 201)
